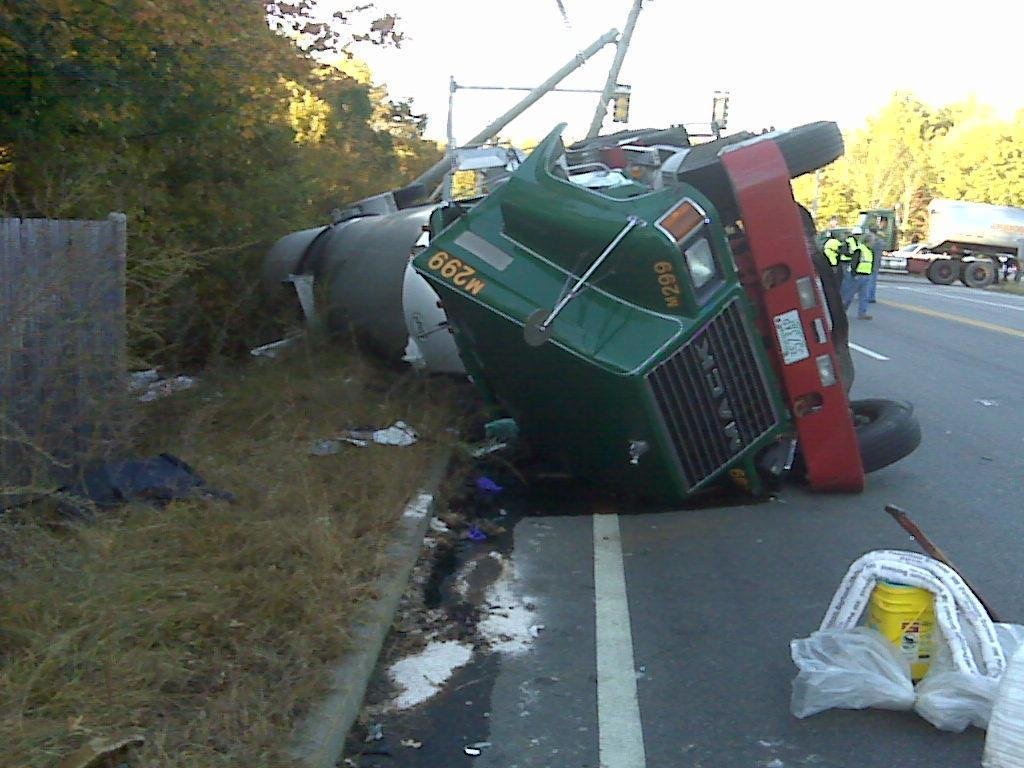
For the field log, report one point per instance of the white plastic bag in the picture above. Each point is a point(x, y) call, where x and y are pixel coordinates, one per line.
point(848, 669)
point(950, 699)
point(1004, 745)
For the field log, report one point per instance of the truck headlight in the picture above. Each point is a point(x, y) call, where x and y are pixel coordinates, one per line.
point(701, 262)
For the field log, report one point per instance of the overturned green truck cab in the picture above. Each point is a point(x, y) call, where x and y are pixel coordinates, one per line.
point(613, 325)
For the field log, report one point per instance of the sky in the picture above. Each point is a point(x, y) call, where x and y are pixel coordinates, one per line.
point(784, 63)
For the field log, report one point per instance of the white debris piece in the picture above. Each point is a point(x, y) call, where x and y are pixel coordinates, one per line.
point(424, 674)
point(398, 433)
point(414, 355)
point(139, 380)
point(507, 625)
point(164, 387)
point(274, 348)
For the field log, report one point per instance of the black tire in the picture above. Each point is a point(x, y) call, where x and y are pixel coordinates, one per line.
point(942, 271)
point(978, 274)
point(804, 149)
point(810, 147)
point(887, 431)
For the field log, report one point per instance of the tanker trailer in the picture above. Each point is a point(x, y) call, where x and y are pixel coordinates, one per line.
point(967, 241)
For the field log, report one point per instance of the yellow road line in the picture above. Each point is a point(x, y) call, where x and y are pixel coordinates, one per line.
point(955, 318)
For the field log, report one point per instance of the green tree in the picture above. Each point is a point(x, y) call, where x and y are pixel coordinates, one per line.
point(910, 153)
point(213, 130)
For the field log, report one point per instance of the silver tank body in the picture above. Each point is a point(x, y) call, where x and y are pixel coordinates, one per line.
point(979, 224)
point(358, 267)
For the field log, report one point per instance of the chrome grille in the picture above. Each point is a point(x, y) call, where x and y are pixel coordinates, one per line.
point(712, 396)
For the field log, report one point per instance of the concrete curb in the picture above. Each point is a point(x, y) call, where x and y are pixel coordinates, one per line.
point(320, 739)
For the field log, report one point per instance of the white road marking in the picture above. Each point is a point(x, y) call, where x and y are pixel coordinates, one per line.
point(866, 351)
point(620, 735)
point(951, 295)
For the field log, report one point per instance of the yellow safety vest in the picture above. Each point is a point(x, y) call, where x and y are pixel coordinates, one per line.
point(831, 250)
point(863, 257)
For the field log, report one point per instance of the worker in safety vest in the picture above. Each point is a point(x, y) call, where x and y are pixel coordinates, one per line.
point(835, 251)
point(877, 242)
point(858, 281)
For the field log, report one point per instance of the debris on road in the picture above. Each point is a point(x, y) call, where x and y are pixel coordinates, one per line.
point(423, 674)
point(502, 429)
point(954, 647)
point(487, 448)
point(159, 388)
point(486, 485)
point(901, 517)
point(398, 434)
point(509, 618)
point(139, 380)
point(157, 480)
point(274, 348)
point(1004, 743)
point(476, 748)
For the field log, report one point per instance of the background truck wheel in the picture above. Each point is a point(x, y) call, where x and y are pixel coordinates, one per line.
point(887, 430)
point(942, 271)
point(978, 274)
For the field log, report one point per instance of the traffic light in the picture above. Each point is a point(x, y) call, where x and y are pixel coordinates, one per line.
point(719, 112)
point(620, 113)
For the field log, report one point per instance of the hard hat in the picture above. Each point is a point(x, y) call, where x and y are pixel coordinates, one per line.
point(857, 231)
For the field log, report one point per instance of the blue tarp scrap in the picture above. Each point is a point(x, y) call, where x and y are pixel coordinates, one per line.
point(157, 480)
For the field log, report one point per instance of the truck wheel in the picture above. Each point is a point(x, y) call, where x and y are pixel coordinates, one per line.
point(805, 148)
point(942, 271)
point(809, 147)
point(887, 430)
point(978, 274)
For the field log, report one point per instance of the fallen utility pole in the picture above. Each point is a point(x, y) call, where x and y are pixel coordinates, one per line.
point(613, 74)
point(933, 550)
point(435, 173)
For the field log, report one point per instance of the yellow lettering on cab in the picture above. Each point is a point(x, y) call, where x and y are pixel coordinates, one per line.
point(456, 271)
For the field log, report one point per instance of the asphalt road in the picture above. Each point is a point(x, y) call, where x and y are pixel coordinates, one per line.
point(712, 597)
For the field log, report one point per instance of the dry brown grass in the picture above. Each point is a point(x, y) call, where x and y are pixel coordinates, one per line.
point(209, 626)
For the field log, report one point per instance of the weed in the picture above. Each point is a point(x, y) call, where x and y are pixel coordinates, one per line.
point(205, 625)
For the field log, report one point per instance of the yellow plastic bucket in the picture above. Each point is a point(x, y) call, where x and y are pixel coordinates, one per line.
point(906, 616)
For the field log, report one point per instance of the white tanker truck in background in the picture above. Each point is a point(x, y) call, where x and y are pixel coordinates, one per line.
point(966, 241)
